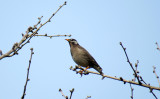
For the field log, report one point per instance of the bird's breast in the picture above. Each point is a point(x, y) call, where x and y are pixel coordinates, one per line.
point(79, 57)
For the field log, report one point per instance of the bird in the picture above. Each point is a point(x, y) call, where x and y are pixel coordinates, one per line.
point(82, 57)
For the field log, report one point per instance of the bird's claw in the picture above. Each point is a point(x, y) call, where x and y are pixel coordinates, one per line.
point(81, 72)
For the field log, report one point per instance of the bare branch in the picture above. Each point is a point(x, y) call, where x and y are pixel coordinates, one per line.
point(49, 20)
point(153, 94)
point(136, 66)
point(135, 73)
point(154, 71)
point(31, 32)
point(66, 97)
point(131, 91)
point(115, 78)
point(88, 97)
point(50, 36)
point(157, 46)
point(71, 93)
point(151, 90)
point(27, 79)
point(142, 80)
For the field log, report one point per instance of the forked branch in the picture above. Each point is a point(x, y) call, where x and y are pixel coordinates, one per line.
point(30, 33)
point(135, 73)
point(77, 68)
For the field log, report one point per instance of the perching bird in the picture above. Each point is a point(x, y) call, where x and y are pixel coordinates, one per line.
point(82, 57)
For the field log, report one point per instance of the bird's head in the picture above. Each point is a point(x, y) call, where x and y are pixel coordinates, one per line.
point(72, 41)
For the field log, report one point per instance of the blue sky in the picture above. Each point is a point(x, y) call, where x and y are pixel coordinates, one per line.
point(98, 26)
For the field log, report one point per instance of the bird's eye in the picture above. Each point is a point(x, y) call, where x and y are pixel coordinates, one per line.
point(73, 40)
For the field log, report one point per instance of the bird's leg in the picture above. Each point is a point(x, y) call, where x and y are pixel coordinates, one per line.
point(81, 71)
point(86, 68)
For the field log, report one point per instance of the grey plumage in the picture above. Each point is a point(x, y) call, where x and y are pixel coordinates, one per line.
point(82, 57)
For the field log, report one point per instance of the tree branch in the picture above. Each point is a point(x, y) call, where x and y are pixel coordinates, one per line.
point(88, 97)
point(135, 73)
point(115, 78)
point(136, 66)
point(157, 46)
point(27, 79)
point(50, 36)
point(154, 71)
point(66, 97)
point(31, 32)
point(71, 93)
point(131, 91)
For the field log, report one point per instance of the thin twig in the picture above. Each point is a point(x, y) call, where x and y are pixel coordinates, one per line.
point(115, 78)
point(136, 66)
point(153, 94)
point(27, 79)
point(151, 90)
point(88, 97)
point(130, 63)
point(49, 20)
point(71, 93)
point(135, 72)
point(50, 36)
point(66, 97)
point(131, 91)
point(142, 80)
point(154, 71)
point(157, 46)
point(31, 32)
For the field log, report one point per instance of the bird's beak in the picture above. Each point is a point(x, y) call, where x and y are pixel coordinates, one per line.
point(67, 39)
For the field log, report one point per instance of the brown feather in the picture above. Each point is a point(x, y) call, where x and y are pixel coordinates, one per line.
point(83, 58)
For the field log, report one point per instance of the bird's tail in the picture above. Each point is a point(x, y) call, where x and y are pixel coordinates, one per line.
point(99, 69)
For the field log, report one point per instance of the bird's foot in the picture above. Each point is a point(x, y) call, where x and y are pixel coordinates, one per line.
point(81, 72)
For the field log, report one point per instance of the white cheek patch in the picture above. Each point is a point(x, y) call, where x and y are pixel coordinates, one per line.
point(74, 42)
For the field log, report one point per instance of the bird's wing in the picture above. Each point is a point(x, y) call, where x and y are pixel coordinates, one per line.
point(92, 62)
point(89, 57)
